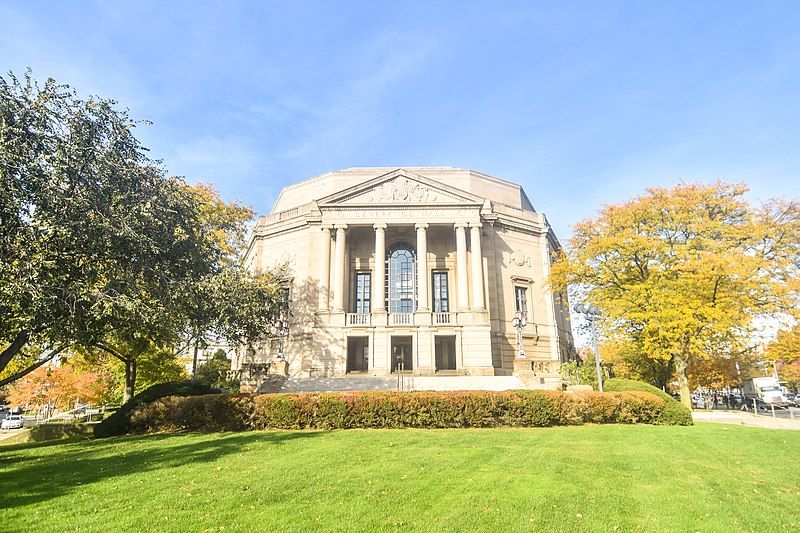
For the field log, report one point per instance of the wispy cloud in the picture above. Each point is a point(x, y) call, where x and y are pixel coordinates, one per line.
point(354, 110)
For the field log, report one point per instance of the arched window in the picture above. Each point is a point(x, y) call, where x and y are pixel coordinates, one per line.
point(401, 285)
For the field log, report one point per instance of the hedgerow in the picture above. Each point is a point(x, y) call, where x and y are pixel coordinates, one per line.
point(378, 409)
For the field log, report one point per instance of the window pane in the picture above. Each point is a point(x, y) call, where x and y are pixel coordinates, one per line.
point(362, 292)
point(401, 286)
point(440, 297)
point(521, 301)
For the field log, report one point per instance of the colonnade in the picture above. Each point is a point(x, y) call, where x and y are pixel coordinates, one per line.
point(379, 273)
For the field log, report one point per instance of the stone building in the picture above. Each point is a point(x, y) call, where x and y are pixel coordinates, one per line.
point(419, 269)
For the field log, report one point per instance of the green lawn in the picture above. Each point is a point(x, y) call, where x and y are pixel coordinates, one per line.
point(702, 478)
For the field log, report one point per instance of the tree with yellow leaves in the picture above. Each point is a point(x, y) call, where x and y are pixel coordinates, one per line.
point(784, 351)
point(682, 273)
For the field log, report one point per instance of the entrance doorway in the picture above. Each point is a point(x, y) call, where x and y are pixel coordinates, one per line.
point(402, 356)
point(445, 348)
point(357, 354)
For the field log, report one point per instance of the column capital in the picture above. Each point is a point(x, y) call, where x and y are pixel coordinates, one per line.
point(475, 224)
point(324, 227)
point(421, 225)
point(459, 225)
point(340, 226)
point(380, 225)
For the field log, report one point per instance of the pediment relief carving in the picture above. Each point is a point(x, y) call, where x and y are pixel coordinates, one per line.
point(402, 190)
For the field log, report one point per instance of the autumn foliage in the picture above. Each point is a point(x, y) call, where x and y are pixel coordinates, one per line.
point(681, 276)
point(62, 387)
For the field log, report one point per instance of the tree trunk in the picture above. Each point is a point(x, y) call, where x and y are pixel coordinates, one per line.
point(194, 361)
point(130, 380)
point(683, 383)
point(13, 349)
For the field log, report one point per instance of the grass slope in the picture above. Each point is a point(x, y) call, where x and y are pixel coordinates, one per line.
point(701, 478)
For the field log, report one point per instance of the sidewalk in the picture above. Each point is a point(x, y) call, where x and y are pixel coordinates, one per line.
point(746, 419)
point(8, 434)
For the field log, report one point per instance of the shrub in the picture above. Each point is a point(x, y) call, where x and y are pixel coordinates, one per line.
point(119, 423)
point(451, 409)
point(372, 409)
point(209, 412)
point(674, 413)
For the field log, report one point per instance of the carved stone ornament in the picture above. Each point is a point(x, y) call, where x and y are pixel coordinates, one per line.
point(520, 258)
point(286, 260)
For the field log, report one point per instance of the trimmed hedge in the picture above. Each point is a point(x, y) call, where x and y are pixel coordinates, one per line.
point(119, 423)
point(674, 413)
point(465, 409)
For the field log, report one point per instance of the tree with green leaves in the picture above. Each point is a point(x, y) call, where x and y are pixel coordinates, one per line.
point(99, 248)
point(214, 372)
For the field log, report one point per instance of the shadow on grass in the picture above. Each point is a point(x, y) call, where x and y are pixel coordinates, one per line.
point(27, 478)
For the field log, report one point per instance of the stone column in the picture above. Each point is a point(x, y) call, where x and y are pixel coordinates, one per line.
point(379, 294)
point(461, 266)
point(325, 268)
point(477, 265)
point(422, 267)
point(339, 268)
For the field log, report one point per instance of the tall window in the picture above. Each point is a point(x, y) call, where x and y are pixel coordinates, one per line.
point(362, 292)
point(441, 299)
point(401, 287)
point(521, 301)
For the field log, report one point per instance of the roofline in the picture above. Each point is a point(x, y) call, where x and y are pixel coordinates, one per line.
point(386, 170)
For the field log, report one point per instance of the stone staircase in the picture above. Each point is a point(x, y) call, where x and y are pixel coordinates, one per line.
point(329, 384)
point(431, 383)
point(494, 383)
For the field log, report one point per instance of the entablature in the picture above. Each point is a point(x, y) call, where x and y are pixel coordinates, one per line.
point(393, 214)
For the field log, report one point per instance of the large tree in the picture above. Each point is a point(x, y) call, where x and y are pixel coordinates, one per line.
point(682, 273)
point(94, 234)
point(99, 248)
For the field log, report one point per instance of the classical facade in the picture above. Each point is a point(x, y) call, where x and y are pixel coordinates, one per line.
point(418, 270)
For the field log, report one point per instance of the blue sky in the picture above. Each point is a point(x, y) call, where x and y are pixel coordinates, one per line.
point(583, 103)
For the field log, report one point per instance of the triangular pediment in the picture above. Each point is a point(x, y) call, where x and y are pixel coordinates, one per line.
point(401, 187)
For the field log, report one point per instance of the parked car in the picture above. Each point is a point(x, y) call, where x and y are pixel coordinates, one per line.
point(12, 422)
point(700, 402)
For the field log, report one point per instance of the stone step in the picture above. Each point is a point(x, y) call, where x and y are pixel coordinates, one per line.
point(333, 384)
point(445, 383)
point(420, 383)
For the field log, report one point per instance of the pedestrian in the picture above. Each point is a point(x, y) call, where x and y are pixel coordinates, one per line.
point(716, 401)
